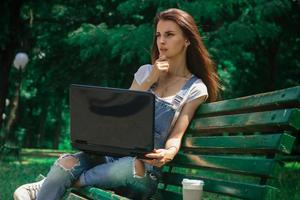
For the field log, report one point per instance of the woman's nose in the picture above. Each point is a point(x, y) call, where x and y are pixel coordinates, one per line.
point(161, 40)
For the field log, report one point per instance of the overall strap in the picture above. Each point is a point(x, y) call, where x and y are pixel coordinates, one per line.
point(182, 94)
point(181, 97)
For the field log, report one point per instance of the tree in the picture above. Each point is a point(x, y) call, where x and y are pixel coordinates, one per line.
point(11, 40)
point(255, 45)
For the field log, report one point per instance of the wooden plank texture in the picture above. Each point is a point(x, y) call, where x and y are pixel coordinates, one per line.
point(230, 188)
point(279, 120)
point(263, 144)
point(168, 195)
point(98, 194)
point(280, 99)
point(255, 166)
point(73, 196)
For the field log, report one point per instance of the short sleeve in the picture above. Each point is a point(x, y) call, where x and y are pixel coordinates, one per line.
point(198, 89)
point(142, 73)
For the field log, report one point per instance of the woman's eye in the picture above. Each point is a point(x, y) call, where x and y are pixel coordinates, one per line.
point(169, 34)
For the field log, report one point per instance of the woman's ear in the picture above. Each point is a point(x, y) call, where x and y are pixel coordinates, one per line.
point(187, 43)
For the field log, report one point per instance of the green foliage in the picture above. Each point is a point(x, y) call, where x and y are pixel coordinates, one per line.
point(255, 45)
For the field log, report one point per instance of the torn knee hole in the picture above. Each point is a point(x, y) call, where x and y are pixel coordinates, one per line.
point(68, 162)
point(139, 168)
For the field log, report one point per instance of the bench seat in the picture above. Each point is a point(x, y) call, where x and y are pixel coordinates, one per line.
point(235, 146)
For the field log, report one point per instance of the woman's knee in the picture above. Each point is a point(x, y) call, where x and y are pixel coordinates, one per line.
point(68, 161)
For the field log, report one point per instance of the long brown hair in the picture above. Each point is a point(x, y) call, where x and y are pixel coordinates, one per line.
point(198, 59)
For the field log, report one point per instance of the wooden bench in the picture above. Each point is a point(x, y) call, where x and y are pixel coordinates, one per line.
point(235, 146)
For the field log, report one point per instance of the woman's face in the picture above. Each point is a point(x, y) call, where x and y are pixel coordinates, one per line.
point(170, 39)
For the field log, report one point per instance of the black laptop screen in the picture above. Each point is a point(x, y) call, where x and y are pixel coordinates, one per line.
point(111, 121)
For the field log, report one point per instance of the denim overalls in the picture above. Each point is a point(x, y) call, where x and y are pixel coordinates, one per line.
point(112, 172)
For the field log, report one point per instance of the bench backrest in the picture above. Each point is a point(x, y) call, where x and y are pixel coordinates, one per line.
point(234, 145)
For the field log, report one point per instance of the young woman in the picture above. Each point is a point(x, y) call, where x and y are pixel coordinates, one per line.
point(182, 76)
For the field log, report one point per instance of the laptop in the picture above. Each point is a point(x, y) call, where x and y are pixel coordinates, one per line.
point(111, 121)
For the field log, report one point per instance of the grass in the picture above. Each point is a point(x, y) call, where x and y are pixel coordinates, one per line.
point(289, 182)
point(14, 173)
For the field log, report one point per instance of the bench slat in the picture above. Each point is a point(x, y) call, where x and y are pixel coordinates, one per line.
point(255, 166)
point(279, 99)
point(264, 144)
point(231, 188)
point(73, 196)
point(280, 120)
point(98, 194)
point(165, 195)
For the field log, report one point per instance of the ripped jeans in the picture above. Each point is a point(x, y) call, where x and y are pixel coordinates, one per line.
point(99, 171)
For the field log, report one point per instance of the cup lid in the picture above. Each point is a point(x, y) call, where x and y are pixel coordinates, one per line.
point(193, 182)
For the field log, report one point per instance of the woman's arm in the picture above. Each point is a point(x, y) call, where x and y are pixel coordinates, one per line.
point(162, 156)
point(144, 86)
point(161, 66)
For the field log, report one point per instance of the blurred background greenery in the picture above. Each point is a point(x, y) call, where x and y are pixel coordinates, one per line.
point(255, 45)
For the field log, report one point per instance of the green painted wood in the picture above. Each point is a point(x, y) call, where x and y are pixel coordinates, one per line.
point(166, 195)
point(263, 144)
point(98, 194)
point(89, 192)
point(285, 98)
point(255, 166)
point(279, 120)
point(73, 196)
point(295, 119)
point(225, 187)
point(286, 143)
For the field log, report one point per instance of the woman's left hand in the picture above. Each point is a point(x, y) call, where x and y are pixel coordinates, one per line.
point(158, 157)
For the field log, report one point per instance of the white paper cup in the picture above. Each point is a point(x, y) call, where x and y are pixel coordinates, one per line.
point(192, 189)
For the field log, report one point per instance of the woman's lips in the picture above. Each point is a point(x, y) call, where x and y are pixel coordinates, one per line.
point(163, 50)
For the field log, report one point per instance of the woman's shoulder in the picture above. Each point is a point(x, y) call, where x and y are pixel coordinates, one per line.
point(198, 89)
point(199, 83)
point(145, 67)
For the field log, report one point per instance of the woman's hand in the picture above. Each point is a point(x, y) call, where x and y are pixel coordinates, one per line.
point(160, 68)
point(159, 157)
point(162, 64)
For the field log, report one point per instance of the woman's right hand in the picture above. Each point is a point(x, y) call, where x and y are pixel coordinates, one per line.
point(159, 157)
point(162, 64)
point(160, 68)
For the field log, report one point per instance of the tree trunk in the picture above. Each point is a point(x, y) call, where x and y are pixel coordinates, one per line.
point(42, 122)
point(58, 125)
point(7, 53)
point(14, 110)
